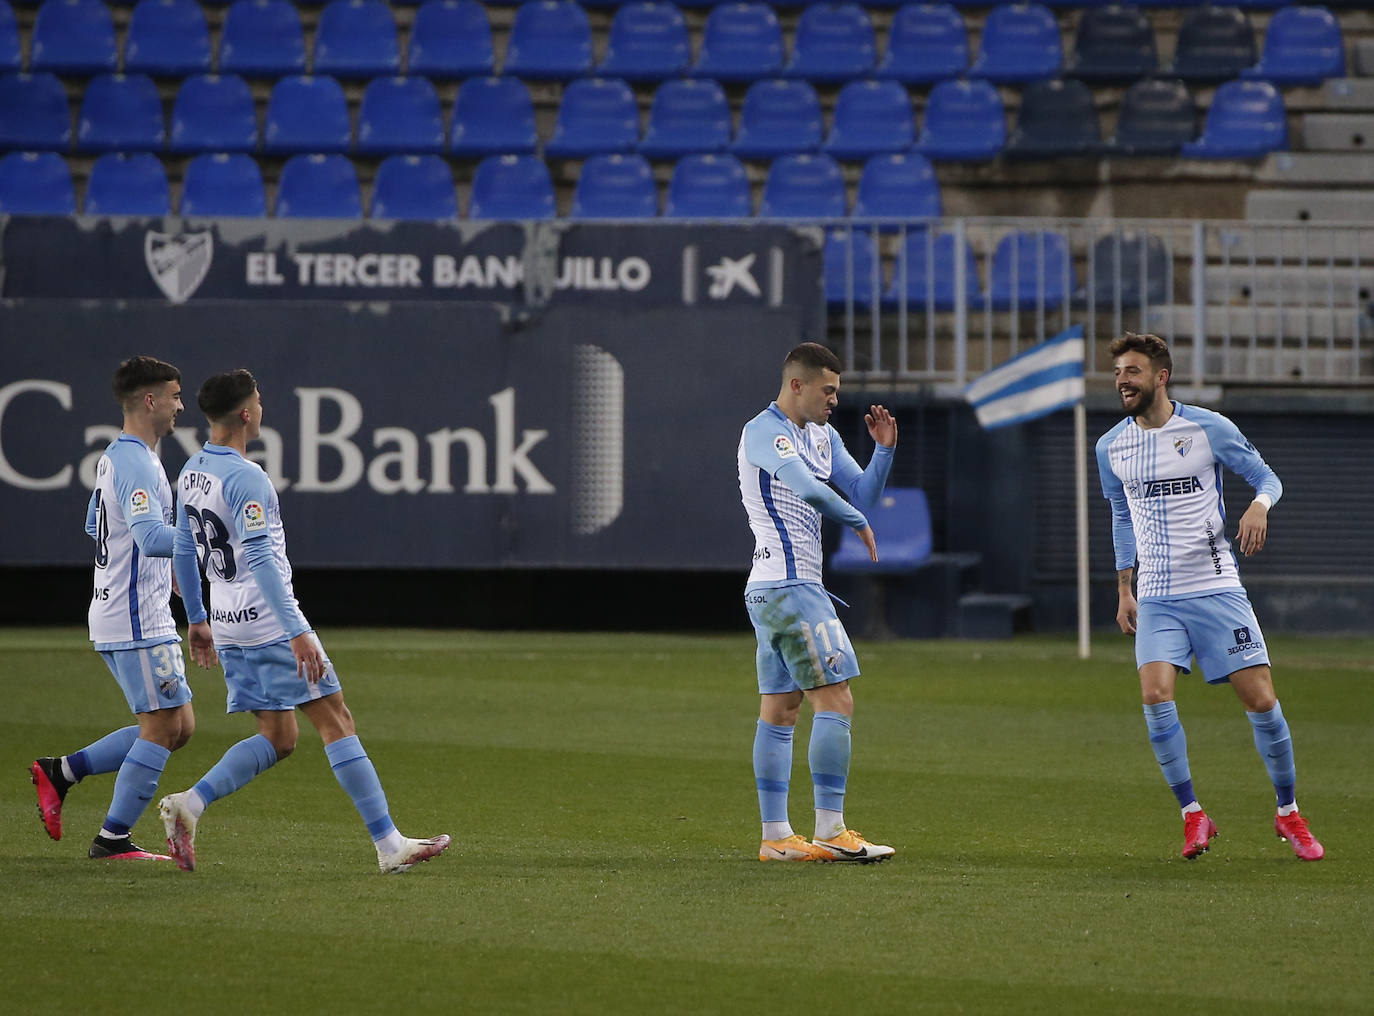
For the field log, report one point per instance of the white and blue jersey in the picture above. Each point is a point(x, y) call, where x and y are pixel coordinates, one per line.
point(1164, 485)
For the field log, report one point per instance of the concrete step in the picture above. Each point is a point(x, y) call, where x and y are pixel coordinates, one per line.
point(1336, 206)
point(1317, 326)
point(1239, 282)
point(1349, 93)
point(1338, 132)
point(1334, 168)
point(993, 615)
point(1364, 57)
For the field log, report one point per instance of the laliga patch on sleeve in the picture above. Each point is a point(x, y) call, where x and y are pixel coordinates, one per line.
point(254, 518)
point(139, 503)
point(783, 446)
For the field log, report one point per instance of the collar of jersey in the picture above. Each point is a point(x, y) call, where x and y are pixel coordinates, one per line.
point(219, 449)
point(774, 408)
point(123, 436)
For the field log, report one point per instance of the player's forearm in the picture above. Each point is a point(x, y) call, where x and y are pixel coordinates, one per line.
point(187, 573)
point(1125, 581)
point(154, 538)
point(263, 565)
point(868, 485)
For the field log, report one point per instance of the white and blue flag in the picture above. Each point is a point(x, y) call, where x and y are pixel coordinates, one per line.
point(1039, 381)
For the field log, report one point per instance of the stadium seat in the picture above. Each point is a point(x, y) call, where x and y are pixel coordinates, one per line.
point(803, 187)
point(307, 114)
point(214, 113)
point(1157, 117)
point(492, 116)
point(36, 183)
point(450, 39)
point(1302, 46)
point(261, 38)
point(897, 186)
point(223, 185)
point(688, 115)
point(648, 41)
point(318, 187)
point(400, 115)
point(778, 118)
point(356, 39)
point(833, 43)
point(871, 118)
point(10, 52)
point(1118, 263)
point(708, 187)
point(852, 269)
point(597, 115)
point(740, 42)
point(926, 42)
point(902, 516)
point(964, 121)
point(1114, 43)
point(73, 37)
point(414, 187)
point(34, 114)
point(1028, 268)
point(1020, 43)
point(121, 113)
point(511, 187)
point(167, 38)
point(1214, 44)
point(1056, 118)
point(923, 274)
point(128, 184)
point(615, 187)
point(1246, 120)
point(549, 40)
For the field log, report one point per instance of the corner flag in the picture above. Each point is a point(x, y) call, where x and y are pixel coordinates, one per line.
point(1039, 381)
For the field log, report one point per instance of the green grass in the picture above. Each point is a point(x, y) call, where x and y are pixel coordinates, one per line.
point(599, 792)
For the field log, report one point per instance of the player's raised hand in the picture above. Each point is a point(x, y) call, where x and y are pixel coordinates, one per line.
point(1254, 527)
point(202, 643)
point(309, 656)
point(881, 427)
point(866, 534)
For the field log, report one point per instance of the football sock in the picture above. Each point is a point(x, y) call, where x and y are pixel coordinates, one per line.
point(829, 758)
point(358, 776)
point(1275, 746)
point(772, 773)
point(236, 768)
point(104, 756)
point(134, 786)
point(1171, 749)
point(829, 824)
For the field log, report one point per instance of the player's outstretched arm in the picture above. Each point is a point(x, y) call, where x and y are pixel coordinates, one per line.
point(866, 534)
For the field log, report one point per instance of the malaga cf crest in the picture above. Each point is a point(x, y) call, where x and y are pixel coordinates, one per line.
point(1183, 445)
point(178, 263)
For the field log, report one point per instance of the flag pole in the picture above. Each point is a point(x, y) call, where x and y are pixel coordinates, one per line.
point(1080, 456)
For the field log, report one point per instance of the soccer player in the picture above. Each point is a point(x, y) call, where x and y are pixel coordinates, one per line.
point(1161, 470)
point(231, 530)
point(787, 456)
point(130, 519)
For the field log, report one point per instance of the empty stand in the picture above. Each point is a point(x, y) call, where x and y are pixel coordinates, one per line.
point(871, 118)
point(214, 113)
point(1056, 118)
point(121, 112)
point(1214, 44)
point(833, 43)
point(492, 116)
point(1246, 119)
point(128, 184)
point(1157, 117)
point(414, 187)
point(511, 187)
point(167, 38)
point(903, 514)
point(549, 40)
point(223, 185)
point(1302, 46)
point(803, 187)
point(307, 114)
point(648, 41)
point(615, 187)
point(10, 50)
point(1129, 269)
point(261, 38)
point(400, 115)
point(852, 269)
point(1020, 43)
point(36, 183)
point(740, 42)
point(708, 187)
point(897, 186)
point(356, 39)
point(964, 121)
point(34, 113)
point(319, 187)
point(1113, 43)
point(688, 115)
point(925, 43)
point(777, 118)
point(73, 37)
point(924, 275)
point(1031, 270)
point(597, 115)
point(450, 39)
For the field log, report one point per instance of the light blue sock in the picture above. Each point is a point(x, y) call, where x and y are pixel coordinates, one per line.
point(358, 776)
point(829, 758)
point(135, 785)
point(237, 767)
point(105, 755)
point(1171, 749)
point(1275, 746)
point(772, 769)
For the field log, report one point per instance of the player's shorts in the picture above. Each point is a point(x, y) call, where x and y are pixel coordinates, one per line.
point(151, 678)
point(264, 678)
point(802, 644)
point(1219, 628)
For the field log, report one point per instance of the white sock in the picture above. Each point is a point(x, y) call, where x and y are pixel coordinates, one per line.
point(777, 830)
point(67, 770)
point(390, 843)
point(1191, 808)
point(1289, 809)
point(828, 823)
point(194, 804)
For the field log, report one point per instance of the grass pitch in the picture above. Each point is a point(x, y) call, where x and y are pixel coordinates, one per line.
point(599, 792)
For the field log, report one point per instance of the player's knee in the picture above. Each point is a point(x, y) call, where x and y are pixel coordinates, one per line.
point(283, 746)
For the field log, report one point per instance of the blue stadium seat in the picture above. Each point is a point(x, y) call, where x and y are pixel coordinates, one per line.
point(414, 187)
point(597, 115)
point(73, 37)
point(778, 118)
point(648, 41)
point(450, 39)
point(924, 273)
point(1246, 120)
point(549, 40)
point(1114, 43)
point(261, 38)
point(926, 42)
point(167, 38)
point(1131, 266)
point(223, 185)
point(897, 186)
point(492, 116)
point(1020, 43)
point(964, 121)
point(740, 42)
point(803, 187)
point(1302, 46)
point(871, 118)
point(688, 115)
point(1214, 44)
point(511, 187)
point(356, 39)
point(1056, 118)
point(128, 184)
point(214, 113)
point(1030, 267)
point(36, 183)
point(833, 43)
point(400, 115)
point(708, 187)
point(121, 113)
point(852, 271)
point(9, 39)
point(34, 114)
point(319, 187)
point(902, 518)
point(615, 187)
point(1157, 117)
point(307, 114)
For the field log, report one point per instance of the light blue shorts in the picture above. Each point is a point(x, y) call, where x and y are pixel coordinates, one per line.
point(264, 678)
point(1219, 629)
point(802, 644)
point(151, 678)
